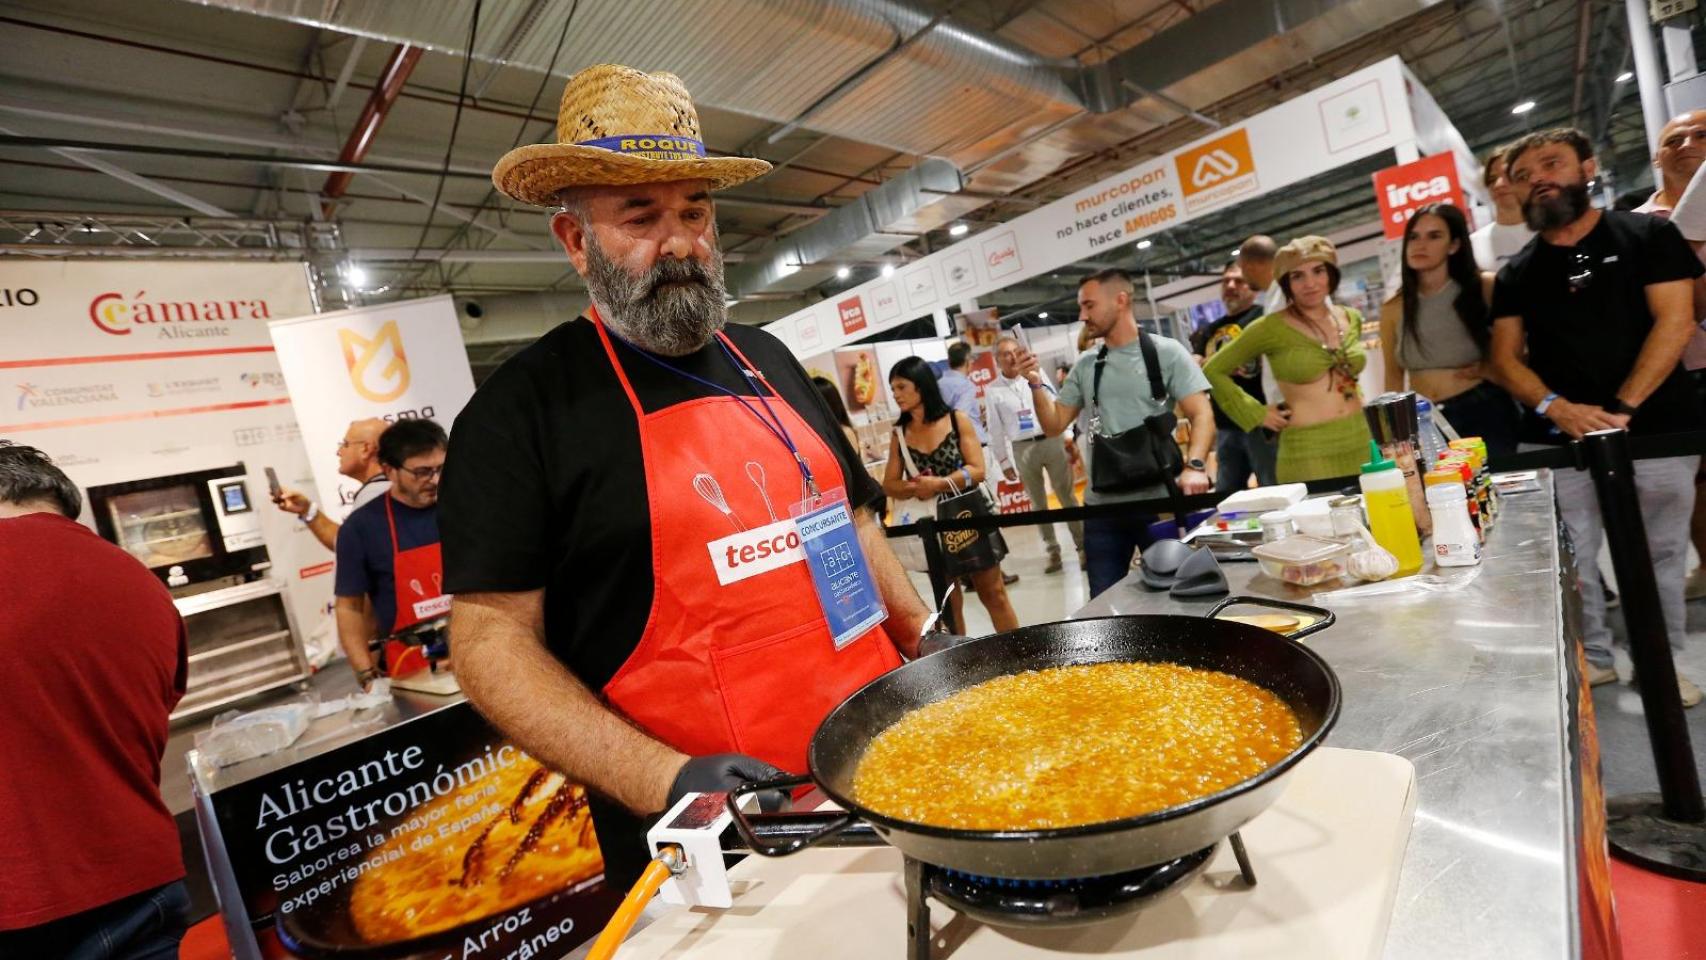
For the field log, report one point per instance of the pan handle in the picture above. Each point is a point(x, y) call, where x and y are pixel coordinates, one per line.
point(1327, 617)
point(749, 835)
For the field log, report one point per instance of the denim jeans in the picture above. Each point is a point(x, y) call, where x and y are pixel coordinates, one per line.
point(1110, 543)
point(1243, 453)
point(142, 926)
point(1666, 492)
point(1487, 412)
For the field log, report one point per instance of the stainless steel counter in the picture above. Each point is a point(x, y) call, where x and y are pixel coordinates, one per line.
point(325, 734)
point(1476, 687)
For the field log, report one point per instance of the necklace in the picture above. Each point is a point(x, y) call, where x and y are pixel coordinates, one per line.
point(1327, 340)
point(1339, 367)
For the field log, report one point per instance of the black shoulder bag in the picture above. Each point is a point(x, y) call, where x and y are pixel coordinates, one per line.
point(1146, 454)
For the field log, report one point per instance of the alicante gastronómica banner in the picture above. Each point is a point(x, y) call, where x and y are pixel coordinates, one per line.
point(434, 838)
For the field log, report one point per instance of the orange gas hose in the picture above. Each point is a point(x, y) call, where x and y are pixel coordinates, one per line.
point(623, 920)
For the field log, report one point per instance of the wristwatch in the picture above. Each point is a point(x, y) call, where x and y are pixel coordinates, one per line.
point(1196, 464)
point(1545, 404)
point(1618, 406)
point(312, 512)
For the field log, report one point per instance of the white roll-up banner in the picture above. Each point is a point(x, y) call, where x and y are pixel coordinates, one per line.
point(393, 361)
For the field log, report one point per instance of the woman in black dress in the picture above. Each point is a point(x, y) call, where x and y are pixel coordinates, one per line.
point(942, 444)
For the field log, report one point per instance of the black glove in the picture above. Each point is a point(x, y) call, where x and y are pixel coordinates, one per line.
point(722, 772)
point(937, 642)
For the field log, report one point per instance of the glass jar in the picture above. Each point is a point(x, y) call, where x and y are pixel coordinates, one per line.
point(1276, 525)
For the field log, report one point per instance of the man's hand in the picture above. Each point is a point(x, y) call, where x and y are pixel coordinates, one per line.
point(291, 501)
point(1580, 419)
point(1193, 481)
point(936, 642)
point(1028, 366)
point(1010, 475)
point(722, 772)
point(1277, 419)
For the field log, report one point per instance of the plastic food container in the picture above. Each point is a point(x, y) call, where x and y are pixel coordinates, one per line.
point(1303, 560)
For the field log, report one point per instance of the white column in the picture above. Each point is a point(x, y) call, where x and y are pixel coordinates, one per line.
point(1647, 71)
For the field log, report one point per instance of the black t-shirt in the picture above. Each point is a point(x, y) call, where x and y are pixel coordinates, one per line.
point(1218, 334)
point(544, 486)
point(1584, 343)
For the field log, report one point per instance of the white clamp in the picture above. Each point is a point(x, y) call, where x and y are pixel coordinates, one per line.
point(696, 824)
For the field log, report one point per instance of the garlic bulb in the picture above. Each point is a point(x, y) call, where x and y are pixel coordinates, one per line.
point(1374, 563)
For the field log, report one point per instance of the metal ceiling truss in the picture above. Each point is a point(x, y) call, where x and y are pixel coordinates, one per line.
point(55, 234)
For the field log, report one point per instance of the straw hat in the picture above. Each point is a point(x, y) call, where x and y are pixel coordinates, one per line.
point(1304, 250)
point(618, 126)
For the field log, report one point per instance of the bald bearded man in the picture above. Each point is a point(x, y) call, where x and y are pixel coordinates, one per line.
point(358, 459)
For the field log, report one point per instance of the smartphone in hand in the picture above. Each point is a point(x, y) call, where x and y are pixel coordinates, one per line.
point(272, 483)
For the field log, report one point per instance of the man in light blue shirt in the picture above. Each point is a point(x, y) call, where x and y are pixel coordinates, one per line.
point(960, 392)
point(1105, 306)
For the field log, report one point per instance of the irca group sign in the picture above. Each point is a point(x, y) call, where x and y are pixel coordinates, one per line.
point(1406, 188)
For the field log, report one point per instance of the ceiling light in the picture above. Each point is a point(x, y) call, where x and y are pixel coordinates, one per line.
point(1624, 77)
point(888, 269)
point(1043, 315)
point(357, 276)
point(842, 273)
point(958, 230)
point(1523, 107)
point(1145, 244)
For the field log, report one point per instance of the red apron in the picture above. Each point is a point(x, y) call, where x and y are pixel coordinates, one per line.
point(417, 580)
point(736, 655)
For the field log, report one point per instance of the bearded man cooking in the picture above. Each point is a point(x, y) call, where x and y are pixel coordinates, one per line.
point(633, 606)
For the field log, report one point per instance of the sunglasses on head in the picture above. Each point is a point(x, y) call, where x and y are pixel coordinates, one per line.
point(1580, 276)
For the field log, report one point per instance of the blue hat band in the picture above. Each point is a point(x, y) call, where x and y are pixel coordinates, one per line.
point(653, 146)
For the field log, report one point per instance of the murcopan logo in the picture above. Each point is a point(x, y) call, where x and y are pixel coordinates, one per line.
point(1213, 167)
point(1214, 172)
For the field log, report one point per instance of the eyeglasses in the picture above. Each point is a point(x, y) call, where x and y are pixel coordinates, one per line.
point(1580, 276)
point(423, 473)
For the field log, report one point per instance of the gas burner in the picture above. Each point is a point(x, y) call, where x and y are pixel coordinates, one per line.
point(1007, 901)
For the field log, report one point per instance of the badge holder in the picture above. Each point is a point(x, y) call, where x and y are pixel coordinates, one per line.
point(840, 574)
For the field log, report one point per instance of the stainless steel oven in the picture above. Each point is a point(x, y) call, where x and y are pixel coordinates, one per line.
point(188, 528)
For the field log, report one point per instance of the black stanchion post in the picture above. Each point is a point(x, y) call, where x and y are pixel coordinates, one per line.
point(938, 564)
point(1666, 832)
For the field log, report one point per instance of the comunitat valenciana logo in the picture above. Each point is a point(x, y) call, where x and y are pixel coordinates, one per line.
point(32, 397)
point(378, 368)
point(121, 315)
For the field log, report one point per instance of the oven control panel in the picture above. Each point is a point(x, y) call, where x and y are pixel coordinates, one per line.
point(239, 524)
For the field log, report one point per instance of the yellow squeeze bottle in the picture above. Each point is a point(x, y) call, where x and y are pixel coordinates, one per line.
point(1388, 507)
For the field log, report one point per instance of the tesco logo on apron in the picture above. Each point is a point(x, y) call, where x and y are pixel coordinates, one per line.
point(752, 552)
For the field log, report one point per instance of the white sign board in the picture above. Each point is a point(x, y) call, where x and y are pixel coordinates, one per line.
point(394, 361)
point(1344, 121)
point(128, 370)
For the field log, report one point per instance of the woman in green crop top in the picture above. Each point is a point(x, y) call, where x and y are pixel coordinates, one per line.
point(1315, 351)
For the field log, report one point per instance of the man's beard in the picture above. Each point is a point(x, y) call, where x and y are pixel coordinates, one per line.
point(673, 310)
point(1561, 209)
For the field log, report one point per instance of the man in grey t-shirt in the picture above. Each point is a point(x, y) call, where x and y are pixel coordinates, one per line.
point(1104, 304)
